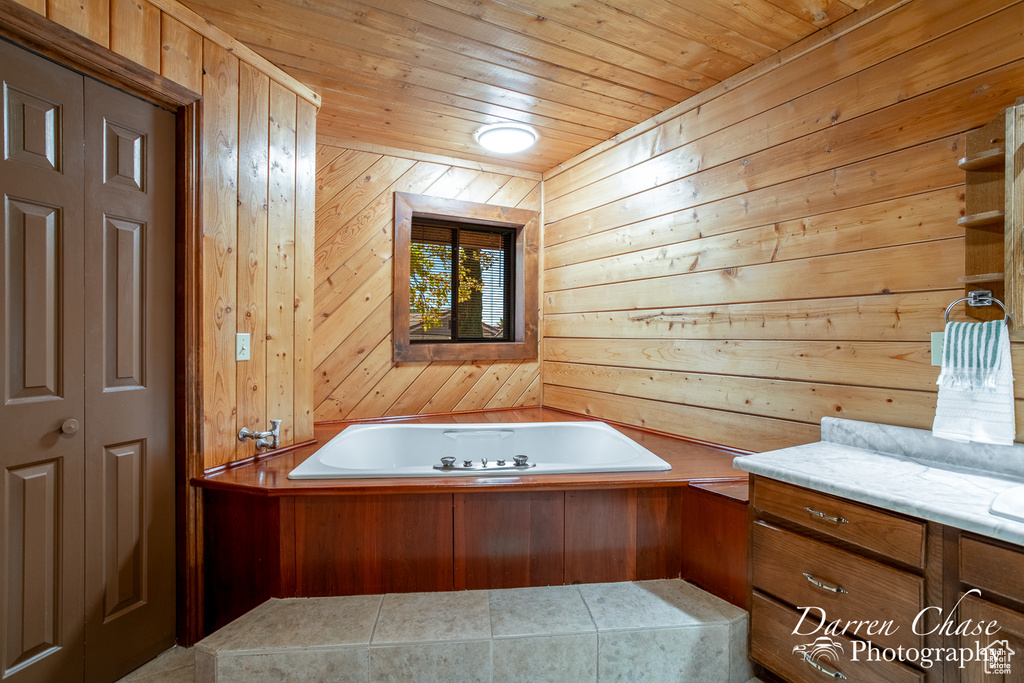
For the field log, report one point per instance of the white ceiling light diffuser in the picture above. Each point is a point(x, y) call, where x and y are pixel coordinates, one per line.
point(506, 138)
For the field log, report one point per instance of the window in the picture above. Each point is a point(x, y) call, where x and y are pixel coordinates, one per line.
point(465, 280)
point(458, 285)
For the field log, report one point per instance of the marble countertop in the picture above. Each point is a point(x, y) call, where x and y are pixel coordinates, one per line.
point(903, 470)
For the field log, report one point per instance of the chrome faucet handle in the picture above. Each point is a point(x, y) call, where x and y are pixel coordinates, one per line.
point(520, 460)
point(448, 461)
point(264, 440)
point(275, 433)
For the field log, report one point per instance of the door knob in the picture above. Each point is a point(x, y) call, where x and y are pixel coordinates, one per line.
point(70, 426)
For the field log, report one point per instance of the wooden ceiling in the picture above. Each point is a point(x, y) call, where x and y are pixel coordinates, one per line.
point(425, 75)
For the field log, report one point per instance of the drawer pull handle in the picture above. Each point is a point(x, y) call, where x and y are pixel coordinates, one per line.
point(819, 584)
point(823, 669)
point(827, 518)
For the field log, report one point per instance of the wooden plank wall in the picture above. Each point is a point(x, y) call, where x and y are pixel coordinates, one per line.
point(780, 252)
point(258, 159)
point(352, 346)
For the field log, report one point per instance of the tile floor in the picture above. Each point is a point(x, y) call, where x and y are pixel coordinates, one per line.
point(644, 631)
point(176, 665)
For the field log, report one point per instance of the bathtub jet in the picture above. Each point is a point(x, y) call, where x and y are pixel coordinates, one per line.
point(445, 450)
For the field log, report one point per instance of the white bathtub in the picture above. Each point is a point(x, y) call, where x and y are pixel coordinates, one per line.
point(403, 450)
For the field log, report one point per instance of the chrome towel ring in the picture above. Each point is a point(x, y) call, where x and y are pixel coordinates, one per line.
point(980, 297)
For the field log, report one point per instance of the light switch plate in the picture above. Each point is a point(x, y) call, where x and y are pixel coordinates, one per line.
point(242, 349)
point(937, 343)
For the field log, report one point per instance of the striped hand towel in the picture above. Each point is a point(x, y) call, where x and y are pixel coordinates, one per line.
point(975, 400)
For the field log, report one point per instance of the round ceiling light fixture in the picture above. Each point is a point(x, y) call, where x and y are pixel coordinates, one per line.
point(506, 138)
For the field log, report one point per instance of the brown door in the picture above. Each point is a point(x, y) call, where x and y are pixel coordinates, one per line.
point(41, 278)
point(87, 495)
point(129, 381)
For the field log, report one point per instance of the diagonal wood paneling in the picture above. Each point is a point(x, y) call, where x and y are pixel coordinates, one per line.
point(779, 251)
point(352, 347)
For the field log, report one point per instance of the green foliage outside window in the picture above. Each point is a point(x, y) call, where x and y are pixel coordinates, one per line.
point(430, 281)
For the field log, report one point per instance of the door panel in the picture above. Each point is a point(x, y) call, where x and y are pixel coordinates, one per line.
point(124, 156)
point(129, 381)
point(41, 328)
point(87, 331)
point(32, 533)
point(123, 298)
point(34, 126)
point(124, 580)
point(33, 239)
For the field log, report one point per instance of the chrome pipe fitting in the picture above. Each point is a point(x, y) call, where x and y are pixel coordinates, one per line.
point(264, 440)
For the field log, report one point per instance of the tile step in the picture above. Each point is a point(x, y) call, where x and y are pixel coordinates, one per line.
point(664, 630)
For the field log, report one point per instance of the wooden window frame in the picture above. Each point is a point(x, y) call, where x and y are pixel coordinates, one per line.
point(523, 345)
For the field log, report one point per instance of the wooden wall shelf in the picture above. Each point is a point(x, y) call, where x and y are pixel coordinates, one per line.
point(1014, 208)
point(988, 158)
point(994, 208)
point(981, 278)
point(984, 219)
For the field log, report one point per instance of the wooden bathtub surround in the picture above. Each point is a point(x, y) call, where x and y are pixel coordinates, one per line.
point(690, 460)
point(366, 536)
point(716, 539)
point(523, 345)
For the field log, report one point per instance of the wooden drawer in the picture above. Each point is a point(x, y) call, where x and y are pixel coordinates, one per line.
point(883, 532)
point(772, 644)
point(787, 565)
point(991, 567)
point(1011, 630)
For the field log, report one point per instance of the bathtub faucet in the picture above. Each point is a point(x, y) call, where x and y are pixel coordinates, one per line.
point(264, 440)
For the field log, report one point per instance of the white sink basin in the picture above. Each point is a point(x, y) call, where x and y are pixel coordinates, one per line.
point(1009, 504)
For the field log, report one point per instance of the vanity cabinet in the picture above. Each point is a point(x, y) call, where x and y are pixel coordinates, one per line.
point(1009, 639)
point(992, 567)
point(818, 559)
point(844, 522)
point(997, 570)
point(773, 645)
point(817, 556)
point(804, 572)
